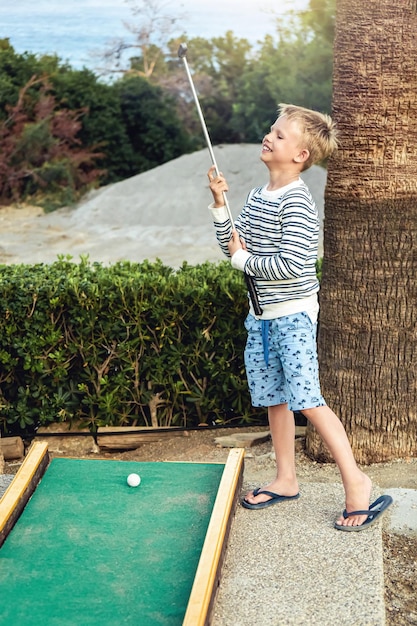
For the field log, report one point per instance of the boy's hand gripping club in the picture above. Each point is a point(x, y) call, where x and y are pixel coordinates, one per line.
point(250, 281)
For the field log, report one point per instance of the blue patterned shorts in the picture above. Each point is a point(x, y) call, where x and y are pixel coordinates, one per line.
point(282, 366)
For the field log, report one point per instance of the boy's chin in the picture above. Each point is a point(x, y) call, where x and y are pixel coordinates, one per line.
point(265, 157)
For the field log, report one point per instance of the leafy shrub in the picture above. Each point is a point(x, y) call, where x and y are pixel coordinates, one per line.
point(129, 344)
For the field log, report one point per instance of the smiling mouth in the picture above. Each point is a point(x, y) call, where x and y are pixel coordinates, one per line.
point(265, 148)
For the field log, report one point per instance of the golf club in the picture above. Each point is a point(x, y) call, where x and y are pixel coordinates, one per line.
point(250, 281)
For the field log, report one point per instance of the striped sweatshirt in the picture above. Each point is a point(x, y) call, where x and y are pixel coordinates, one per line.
point(281, 230)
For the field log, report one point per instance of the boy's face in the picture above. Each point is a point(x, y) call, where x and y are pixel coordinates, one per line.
point(282, 146)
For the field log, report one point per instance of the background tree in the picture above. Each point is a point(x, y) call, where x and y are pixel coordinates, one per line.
point(368, 319)
point(40, 153)
point(148, 114)
point(238, 84)
point(15, 71)
point(293, 66)
point(118, 116)
point(72, 90)
point(142, 51)
point(105, 120)
point(218, 65)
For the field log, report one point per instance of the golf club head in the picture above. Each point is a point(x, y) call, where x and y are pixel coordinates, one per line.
point(182, 50)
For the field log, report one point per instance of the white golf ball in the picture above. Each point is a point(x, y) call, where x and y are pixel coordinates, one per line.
point(133, 480)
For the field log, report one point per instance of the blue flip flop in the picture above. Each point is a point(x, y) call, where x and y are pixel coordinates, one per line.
point(274, 499)
point(374, 512)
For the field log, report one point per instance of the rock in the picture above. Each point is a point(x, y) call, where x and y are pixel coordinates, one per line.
point(242, 440)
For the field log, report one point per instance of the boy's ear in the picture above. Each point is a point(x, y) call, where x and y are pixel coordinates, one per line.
point(302, 156)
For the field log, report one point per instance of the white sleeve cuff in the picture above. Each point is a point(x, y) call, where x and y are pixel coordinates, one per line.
point(219, 213)
point(239, 259)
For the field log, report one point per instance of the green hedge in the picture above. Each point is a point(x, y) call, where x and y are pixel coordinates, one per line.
point(127, 344)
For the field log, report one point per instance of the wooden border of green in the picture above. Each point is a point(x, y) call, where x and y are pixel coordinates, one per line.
point(206, 580)
point(22, 487)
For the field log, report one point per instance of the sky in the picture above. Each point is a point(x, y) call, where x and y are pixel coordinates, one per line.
point(75, 29)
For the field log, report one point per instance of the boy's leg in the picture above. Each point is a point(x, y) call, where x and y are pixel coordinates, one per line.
point(293, 361)
point(357, 485)
point(282, 427)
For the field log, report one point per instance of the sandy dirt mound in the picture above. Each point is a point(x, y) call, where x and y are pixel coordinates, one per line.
point(161, 214)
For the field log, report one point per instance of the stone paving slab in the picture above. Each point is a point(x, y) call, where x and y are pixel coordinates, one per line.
point(242, 440)
point(402, 515)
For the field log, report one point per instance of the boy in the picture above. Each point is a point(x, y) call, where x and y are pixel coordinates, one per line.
point(275, 240)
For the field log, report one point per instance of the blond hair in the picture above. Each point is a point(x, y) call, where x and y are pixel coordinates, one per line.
point(318, 130)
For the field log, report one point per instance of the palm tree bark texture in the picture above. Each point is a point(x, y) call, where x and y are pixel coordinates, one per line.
point(367, 337)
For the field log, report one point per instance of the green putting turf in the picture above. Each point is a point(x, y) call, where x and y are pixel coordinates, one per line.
point(89, 549)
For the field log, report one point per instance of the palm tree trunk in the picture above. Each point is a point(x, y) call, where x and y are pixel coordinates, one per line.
point(368, 319)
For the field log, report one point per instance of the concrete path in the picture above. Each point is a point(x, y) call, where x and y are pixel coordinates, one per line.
point(287, 565)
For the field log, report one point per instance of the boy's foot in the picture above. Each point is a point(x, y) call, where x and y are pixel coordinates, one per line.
point(358, 496)
point(274, 498)
point(277, 487)
point(376, 509)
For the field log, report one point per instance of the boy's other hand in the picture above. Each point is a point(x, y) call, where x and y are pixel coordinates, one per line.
point(235, 243)
point(218, 186)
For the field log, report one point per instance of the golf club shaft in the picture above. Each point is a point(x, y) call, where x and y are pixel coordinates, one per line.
point(250, 281)
point(206, 134)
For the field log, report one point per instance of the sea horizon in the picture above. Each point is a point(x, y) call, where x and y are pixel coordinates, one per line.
point(78, 32)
